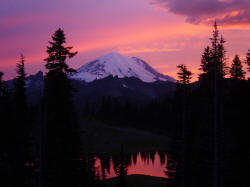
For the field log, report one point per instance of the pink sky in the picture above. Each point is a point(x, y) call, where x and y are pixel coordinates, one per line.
point(162, 32)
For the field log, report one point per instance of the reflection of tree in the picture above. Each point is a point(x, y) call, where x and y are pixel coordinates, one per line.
point(105, 165)
point(162, 157)
point(171, 167)
point(152, 156)
point(91, 176)
point(121, 171)
point(145, 157)
point(134, 157)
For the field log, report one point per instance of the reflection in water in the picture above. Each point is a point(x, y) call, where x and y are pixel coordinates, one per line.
point(156, 164)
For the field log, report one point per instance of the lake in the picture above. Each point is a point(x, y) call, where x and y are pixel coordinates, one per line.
point(142, 163)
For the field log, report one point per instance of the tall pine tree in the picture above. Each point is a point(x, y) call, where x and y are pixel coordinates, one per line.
point(213, 62)
point(61, 144)
point(183, 93)
point(5, 131)
point(236, 70)
point(3, 87)
point(19, 84)
point(248, 60)
point(209, 98)
point(21, 152)
point(184, 75)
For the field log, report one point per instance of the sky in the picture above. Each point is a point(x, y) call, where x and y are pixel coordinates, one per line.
point(164, 33)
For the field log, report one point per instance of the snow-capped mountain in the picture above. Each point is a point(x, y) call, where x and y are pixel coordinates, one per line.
point(118, 65)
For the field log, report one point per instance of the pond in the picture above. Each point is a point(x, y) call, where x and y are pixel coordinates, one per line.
point(142, 163)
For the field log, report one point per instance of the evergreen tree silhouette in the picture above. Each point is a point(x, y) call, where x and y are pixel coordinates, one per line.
point(6, 135)
point(183, 94)
point(248, 60)
point(236, 70)
point(61, 142)
point(22, 142)
point(218, 54)
point(3, 87)
point(215, 84)
point(184, 75)
point(19, 84)
point(205, 130)
point(20, 121)
point(206, 64)
point(213, 63)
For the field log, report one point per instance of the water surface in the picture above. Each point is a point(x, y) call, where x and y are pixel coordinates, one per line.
point(146, 163)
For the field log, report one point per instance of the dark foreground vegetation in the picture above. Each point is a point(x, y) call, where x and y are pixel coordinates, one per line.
point(45, 144)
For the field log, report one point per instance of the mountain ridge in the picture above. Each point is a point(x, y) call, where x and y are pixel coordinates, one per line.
point(116, 64)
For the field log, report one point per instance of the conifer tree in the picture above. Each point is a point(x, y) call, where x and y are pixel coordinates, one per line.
point(21, 152)
point(213, 63)
point(210, 98)
point(248, 60)
point(61, 144)
point(206, 63)
point(3, 94)
point(183, 87)
point(5, 131)
point(236, 71)
point(19, 84)
point(184, 75)
point(3, 88)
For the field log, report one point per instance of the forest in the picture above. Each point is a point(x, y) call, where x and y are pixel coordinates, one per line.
point(207, 121)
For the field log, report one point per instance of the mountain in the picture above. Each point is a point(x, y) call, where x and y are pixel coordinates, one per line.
point(111, 75)
point(128, 88)
point(118, 65)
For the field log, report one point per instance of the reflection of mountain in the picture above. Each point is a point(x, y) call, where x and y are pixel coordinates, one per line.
point(146, 163)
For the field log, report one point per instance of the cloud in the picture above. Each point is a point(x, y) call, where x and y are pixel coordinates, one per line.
point(226, 12)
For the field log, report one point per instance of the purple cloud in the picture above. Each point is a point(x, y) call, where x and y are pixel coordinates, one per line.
point(226, 12)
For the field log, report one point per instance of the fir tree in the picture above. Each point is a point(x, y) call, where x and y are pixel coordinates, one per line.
point(210, 96)
point(248, 60)
point(184, 75)
point(206, 63)
point(1, 82)
point(56, 61)
point(3, 104)
point(21, 152)
point(182, 93)
point(19, 84)
point(213, 63)
point(61, 144)
point(6, 131)
point(3, 87)
point(236, 70)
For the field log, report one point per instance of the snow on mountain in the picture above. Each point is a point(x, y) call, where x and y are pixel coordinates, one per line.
point(116, 64)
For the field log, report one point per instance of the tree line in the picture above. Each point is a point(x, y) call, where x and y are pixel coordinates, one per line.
point(208, 119)
point(42, 145)
point(213, 140)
